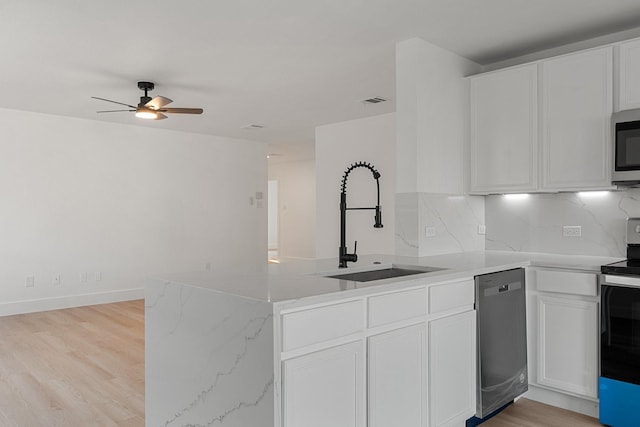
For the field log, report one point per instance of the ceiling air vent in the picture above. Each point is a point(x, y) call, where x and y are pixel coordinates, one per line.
point(252, 126)
point(375, 100)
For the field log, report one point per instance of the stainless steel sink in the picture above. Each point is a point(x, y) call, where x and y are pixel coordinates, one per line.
point(384, 273)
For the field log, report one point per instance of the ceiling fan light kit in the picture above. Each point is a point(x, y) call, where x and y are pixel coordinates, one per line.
point(150, 108)
point(143, 113)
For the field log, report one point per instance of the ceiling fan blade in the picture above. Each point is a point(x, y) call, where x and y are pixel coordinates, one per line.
point(158, 102)
point(115, 102)
point(113, 111)
point(182, 110)
point(161, 116)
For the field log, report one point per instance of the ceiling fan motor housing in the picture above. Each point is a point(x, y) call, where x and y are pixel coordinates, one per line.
point(145, 86)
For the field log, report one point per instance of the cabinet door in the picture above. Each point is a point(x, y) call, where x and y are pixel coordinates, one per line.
point(576, 115)
point(452, 369)
point(398, 378)
point(325, 388)
point(568, 344)
point(504, 131)
point(629, 76)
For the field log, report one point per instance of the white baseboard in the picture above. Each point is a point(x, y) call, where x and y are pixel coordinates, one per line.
point(57, 303)
point(560, 400)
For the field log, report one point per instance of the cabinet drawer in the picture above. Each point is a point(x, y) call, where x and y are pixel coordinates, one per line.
point(451, 295)
point(567, 282)
point(320, 324)
point(397, 306)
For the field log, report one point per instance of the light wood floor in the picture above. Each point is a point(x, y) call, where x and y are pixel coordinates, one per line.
point(527, 413)
point(73, 368)
point(85, 367)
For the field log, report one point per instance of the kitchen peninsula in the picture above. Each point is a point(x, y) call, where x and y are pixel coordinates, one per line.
point(286, 346)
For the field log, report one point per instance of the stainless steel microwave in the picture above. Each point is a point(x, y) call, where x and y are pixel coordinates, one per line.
point(626, 147)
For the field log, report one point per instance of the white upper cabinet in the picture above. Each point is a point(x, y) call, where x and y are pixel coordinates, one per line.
point(544, 126)
point(576, 115)
point(504, 131)
point(629, 76)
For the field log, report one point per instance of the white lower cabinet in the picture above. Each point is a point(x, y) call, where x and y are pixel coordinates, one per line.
point(325, 388)
point(568, 345)
point(398, 377)
point(562, 311)
point(405, 358)
point(452, 369)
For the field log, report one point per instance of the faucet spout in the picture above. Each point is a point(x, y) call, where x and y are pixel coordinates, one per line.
point(343, 255)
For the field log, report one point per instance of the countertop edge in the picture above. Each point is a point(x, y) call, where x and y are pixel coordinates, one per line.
point(296, 282)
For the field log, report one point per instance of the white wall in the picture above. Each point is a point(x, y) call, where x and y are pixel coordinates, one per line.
point(432, 99)
point(338, 146)
point(296, 207)
point(82, 196)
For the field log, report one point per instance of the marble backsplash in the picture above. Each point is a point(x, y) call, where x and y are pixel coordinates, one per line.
point(535, 224)
point(433, 224)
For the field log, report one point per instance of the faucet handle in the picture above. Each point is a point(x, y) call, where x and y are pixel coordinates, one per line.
point(354, 255)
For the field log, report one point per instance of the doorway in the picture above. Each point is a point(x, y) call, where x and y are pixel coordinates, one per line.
point(272, 215)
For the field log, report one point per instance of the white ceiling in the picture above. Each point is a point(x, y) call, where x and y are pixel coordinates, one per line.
point(288, 65)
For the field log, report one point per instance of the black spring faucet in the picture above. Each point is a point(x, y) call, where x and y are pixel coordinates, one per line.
point(345, 257)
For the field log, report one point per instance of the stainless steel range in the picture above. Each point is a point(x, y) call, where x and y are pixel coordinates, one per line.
point(619, 383)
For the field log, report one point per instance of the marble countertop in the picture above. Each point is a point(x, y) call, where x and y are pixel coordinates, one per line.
point(299, 279)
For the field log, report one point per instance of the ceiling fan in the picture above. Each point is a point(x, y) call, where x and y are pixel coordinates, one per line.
point(149, 108)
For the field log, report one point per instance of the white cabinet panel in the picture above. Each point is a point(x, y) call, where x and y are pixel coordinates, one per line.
point(452, 369)
point(306, 327)
point(325, 388)
point(397, 306)
point(504, 131)
point(451, 295)
point(567, 282)
point(398, 378)
point(567, 344)
point(629, 76)
point(576, 114)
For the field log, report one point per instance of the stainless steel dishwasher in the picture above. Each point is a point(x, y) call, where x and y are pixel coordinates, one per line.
point(502, 340)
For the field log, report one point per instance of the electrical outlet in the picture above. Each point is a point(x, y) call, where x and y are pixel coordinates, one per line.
point(83, 277)
point(97, 276)
point(31, 282)
point(482, 229)
point(571, 231)
point(57, 279)
point(430, 232)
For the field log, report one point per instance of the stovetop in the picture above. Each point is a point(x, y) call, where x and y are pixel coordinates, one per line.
point(629, 267)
